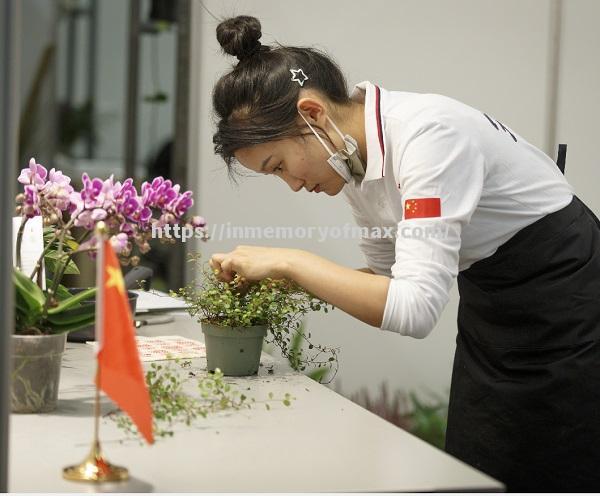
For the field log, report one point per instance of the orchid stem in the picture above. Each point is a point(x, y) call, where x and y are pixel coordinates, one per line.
point(20, 241)
point(40, 260)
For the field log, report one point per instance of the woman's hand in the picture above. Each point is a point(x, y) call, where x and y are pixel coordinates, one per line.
point(360, 294)
point(253, 263)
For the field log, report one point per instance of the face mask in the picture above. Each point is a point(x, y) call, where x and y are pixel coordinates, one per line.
point(346, 162)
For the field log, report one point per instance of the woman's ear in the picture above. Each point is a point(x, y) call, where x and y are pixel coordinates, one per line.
point(312, 109)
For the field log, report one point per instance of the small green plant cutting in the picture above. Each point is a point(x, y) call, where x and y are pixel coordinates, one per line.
point(180, 395)
point(236, 317)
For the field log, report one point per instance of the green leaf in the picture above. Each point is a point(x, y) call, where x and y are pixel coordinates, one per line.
point(50, 264)
point(73, 315)
point(21, 304)
point(72, 244)
point(72, 301)
point(24, 318)
point(52, 261)
point(33, 297)
point(61, 329)
point(62, 293)
point(72, 268)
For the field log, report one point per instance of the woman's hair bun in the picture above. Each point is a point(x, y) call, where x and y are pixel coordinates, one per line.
point(239, 36)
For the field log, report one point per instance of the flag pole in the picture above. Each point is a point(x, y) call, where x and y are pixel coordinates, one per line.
point(95, 468)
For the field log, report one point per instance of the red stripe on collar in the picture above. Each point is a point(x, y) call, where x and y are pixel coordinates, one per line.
point(379, 126)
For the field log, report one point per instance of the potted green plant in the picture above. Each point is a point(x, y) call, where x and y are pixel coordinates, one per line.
point(236, 318)
point(45, 310)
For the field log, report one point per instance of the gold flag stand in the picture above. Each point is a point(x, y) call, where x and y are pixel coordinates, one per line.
point(95, 468)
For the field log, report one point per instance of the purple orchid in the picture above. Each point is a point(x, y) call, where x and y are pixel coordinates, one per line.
point(92, 188)
point(120, 243)
point(31, 203)
point(127, 229)
point(35, 175)
point(198, 221)
point(129, 215)
point(58, 190)
point(129, 207)
point(181, 204)
point(165, 193)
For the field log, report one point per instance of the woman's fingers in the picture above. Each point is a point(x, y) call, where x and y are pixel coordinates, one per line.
point(221, 264)
point(215, 260)
point(227, 265)
point(250, 263)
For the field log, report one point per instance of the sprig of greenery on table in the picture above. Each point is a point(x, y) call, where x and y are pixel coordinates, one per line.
point(280, 304)
point(172, 405)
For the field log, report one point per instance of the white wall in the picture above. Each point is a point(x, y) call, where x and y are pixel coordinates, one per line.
point(578, 122)
point(492, 55)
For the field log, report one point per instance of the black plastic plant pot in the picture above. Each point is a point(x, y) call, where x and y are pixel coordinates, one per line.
point(89, 333)
point(233, 350)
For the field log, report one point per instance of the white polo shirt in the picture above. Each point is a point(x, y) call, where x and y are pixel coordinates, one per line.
point(470, 183)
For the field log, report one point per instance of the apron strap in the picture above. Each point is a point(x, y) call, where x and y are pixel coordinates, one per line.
point(562, 157)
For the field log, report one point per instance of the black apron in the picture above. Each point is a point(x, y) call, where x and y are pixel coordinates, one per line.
point(525, 395)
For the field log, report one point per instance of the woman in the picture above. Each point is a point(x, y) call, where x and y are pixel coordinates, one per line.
point(468, 198)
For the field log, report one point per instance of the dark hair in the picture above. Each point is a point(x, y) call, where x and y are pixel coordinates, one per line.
point(256, 101)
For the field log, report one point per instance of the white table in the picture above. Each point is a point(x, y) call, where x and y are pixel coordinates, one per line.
point(323, 442)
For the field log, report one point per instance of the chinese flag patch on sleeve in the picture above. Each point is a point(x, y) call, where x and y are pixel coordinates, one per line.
point(422, 207)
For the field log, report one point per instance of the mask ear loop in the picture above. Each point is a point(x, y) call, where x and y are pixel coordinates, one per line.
point(343, 151)
point(316, 134)
point(335, 127)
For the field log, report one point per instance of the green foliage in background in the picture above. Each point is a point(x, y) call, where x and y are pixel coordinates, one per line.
point(426, 420)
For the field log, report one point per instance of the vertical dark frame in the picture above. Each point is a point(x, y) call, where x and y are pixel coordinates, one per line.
point(181, 118)
point(132, 90)
point(92, 73)
point(182, 94)
point(181, 126)
point(9, 59)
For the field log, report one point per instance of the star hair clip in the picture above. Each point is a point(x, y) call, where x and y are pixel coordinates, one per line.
point(298, 76)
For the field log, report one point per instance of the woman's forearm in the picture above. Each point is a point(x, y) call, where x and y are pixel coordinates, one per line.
point(360, 294)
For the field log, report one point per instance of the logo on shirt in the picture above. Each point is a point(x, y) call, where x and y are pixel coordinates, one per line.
point(502, 126)
point(422, 207)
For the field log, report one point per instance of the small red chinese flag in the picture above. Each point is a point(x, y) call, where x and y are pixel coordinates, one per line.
point(120, 373)
point(422, 207)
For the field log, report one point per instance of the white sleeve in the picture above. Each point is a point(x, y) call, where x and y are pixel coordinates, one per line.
point(378, 251)
point(437, 162)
